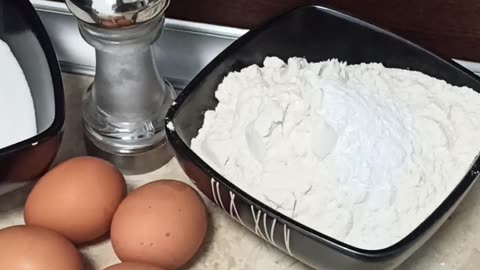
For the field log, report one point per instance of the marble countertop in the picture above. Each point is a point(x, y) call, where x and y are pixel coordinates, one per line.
point(456, 246)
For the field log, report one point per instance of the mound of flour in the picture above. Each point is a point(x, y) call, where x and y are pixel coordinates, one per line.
point(17, 113)
point(361, 153)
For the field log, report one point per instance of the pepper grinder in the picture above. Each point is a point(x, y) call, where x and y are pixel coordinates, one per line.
point(123, 110)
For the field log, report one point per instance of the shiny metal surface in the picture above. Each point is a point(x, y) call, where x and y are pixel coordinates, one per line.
point(116, 13)
point(178, 64)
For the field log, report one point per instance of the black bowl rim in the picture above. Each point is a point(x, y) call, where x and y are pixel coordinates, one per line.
point(36, 25)
point(363, 254)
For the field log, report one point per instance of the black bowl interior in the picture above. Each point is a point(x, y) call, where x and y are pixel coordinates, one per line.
point(318, 34)
point(23, 31)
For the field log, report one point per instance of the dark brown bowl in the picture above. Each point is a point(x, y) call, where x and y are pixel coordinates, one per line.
point(318, 34)
point(22, 30)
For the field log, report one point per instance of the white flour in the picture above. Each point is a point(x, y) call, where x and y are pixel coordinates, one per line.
point(361, 153)
point(17, 113)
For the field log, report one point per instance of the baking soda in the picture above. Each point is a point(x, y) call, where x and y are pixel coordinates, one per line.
point(361, 153)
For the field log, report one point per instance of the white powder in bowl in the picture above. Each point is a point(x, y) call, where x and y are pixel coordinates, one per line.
point(17, 113)
point(361, 153)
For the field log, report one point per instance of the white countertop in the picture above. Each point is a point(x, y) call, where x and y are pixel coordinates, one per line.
point(456, 246)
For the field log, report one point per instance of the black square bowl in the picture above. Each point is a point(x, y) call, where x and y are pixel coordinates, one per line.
point(22, 30)
point(316, 33)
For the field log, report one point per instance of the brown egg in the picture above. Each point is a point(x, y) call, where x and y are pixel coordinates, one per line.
point(34, 248)
point(162, 223)
point(133, 266)
point(77, 199)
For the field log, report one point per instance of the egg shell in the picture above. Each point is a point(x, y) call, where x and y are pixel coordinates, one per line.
point(34, 248)
point(77, 198)
point(162, 223)
point(133, 266)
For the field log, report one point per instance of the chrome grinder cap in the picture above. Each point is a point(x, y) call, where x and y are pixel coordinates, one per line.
point(116, 13)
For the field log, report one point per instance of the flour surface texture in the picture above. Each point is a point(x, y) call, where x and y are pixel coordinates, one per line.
point(361, 153)
point(17, 113)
